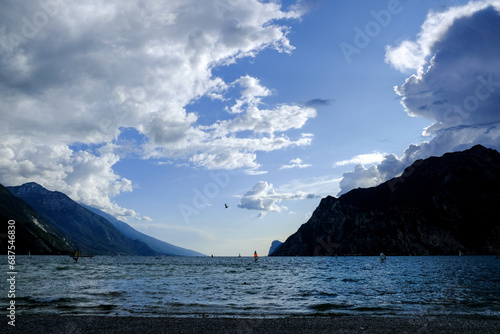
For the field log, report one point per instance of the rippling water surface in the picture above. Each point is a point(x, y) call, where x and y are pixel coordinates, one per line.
point(147, 286)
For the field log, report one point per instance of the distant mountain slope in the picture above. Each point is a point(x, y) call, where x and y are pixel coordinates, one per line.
point(32, 232)
point(274, 246)
point(440, 205)
point(155, 244)
point(87, 231)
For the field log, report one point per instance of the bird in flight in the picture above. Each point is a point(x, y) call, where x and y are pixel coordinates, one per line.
point(226, 206)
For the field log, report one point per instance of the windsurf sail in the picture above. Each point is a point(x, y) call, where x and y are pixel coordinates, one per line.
point(76, 255)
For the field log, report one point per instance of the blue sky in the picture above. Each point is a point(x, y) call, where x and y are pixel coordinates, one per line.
point(161, 114)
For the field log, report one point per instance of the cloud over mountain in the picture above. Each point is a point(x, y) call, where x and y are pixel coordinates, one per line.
point(82, 73)
point(457, 85)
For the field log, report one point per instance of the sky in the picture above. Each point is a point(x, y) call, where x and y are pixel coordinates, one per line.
point(161, 113)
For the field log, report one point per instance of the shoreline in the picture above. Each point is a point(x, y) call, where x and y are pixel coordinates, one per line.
point(45, 323)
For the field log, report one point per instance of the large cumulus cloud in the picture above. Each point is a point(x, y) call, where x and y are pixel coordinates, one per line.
point(456, 84)
point(82, 72)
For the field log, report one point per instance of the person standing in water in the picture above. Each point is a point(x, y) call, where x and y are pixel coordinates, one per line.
point(255, 256)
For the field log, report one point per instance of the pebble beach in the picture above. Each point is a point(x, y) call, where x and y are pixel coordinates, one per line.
point(185, 325)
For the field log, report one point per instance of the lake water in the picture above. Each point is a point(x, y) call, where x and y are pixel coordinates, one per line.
point(194, 286)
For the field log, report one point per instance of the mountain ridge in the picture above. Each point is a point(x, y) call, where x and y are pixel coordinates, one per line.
point(439, 205)
point(33, 233)
point(85, 230)
point(159, 246)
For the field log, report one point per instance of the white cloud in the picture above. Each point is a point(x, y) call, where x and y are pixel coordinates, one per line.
point(87, 70)
point(262, 121)
point(364, 159)
point(251, 95)
point(461, 85)
point(265, 198)
point(412, 55)
point(459, 88)
point(362, 177)
point(225, 160)
point(81, 175)
point(295, 163)
point(255, 172)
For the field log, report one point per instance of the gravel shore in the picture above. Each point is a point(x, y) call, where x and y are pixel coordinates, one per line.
point(174, 325)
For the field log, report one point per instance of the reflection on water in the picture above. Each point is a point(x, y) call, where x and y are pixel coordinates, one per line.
point(269, 287)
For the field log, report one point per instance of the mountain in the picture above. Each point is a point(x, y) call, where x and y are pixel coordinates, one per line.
point(32, 232)
point(83, 229)
point(440, 205)
point(159, 246)
point(274, 246)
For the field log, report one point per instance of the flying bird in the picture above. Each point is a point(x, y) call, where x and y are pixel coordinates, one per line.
point(226, 206)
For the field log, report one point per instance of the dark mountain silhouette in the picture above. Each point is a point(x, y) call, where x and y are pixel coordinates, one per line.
point(274, 246)
point(440, 205)
point(32, 232)
point(83, 229)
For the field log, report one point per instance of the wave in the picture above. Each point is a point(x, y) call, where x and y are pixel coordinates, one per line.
point(46, 300)
point(290, 286)
point(323, 307)
point(353, 280)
